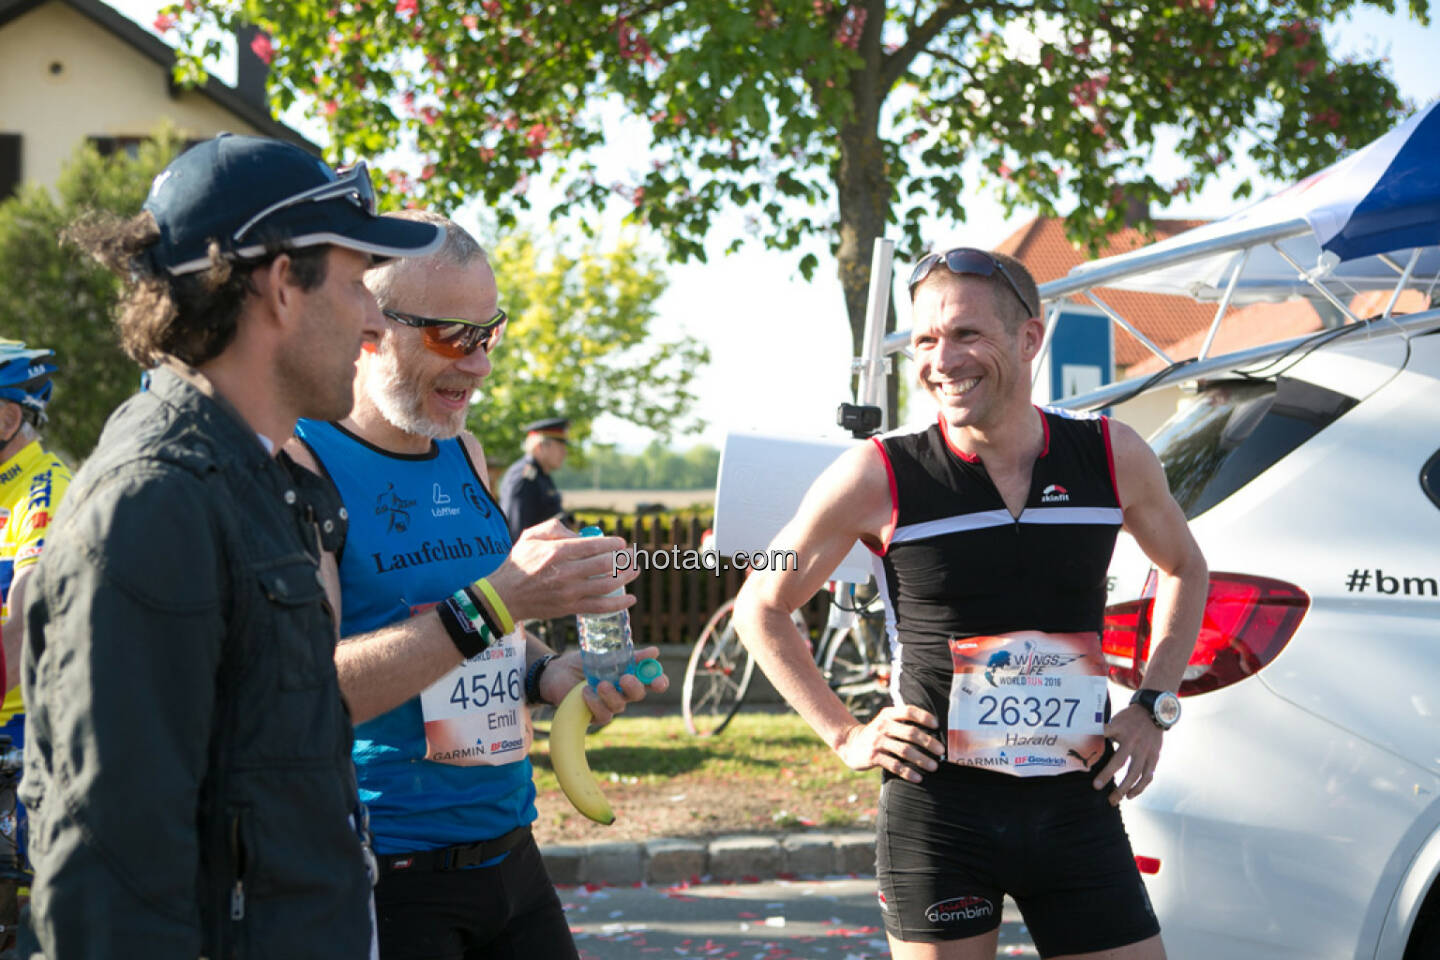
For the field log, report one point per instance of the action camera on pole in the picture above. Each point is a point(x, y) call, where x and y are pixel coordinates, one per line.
point(861, 419)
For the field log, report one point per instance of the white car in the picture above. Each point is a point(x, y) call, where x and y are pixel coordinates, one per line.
point(1296, 809)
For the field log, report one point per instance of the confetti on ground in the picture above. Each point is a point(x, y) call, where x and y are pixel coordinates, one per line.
point(769, 922)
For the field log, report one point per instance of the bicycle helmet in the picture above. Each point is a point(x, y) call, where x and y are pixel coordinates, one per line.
point(25, 378)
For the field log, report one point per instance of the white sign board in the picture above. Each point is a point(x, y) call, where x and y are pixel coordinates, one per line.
point(762, 481)
point(1078, 378)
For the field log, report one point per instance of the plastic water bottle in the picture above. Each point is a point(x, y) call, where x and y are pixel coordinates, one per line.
point(606, 651)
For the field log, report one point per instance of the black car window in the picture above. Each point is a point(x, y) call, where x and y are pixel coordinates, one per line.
point(1235, 431)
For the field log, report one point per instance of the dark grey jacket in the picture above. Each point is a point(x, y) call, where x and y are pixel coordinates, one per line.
point(187, 764)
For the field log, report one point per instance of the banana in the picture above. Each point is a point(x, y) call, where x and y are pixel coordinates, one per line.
point(567, 756)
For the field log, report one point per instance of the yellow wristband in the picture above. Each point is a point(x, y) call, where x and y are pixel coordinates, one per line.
point(507, 625)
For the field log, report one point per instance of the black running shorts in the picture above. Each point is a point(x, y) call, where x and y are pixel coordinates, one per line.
point(508, 911)
point(950, 848)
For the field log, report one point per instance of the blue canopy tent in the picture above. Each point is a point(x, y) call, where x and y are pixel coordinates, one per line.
point(1345, 226)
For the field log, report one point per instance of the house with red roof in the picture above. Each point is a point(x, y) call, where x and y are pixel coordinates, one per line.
point(1177, 325)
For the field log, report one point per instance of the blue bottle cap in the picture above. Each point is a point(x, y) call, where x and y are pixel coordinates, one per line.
point(649, 670)
point(591, 532)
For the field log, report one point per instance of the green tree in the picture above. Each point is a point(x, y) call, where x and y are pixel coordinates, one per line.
point(57, 297)
point(579, 344)
point(842, 120)
point(657, 467)
point(702, 463)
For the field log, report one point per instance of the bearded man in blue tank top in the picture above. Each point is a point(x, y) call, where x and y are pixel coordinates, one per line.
point(992, 529)
point(442, 732)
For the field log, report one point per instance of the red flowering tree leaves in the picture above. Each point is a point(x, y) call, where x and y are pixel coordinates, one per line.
point(842, 120)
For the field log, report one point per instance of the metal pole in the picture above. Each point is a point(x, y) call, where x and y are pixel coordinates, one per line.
point(1109, 311)
point(1086, 276)
point(1224, 304)
point(1316, 284)
point(1404, 281)
point(1050, 324)
point(1414, 324)
point(872, 371)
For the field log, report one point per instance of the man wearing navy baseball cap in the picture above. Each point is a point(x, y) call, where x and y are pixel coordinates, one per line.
point(528, 494)
point(179, 643)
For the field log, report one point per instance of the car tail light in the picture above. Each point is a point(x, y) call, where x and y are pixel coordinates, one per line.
point(1248, 620)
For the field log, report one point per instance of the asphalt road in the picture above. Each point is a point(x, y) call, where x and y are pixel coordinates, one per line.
point(779, 920)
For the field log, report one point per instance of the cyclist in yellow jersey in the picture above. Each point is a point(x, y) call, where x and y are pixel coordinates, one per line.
point(32, 481)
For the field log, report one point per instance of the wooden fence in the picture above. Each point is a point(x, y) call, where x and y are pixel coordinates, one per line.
point(672, 606)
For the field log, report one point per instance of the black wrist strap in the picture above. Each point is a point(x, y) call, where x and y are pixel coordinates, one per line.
point(532, 677)
point(470, 639)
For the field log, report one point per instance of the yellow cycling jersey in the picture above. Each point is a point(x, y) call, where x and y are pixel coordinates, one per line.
point(31, 485)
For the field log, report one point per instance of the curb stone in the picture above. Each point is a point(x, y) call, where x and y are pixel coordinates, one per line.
point(665, 860)
point(736, 858)
point(809, 854)
point(673, 861)
point(565, 864)
point(617, 862)
point(855, 854)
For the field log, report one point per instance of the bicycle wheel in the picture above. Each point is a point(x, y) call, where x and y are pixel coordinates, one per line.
point(717, 676)
point(856, 677)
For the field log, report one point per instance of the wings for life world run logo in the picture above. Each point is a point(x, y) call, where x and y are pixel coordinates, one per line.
point(959, 908)
point(1054, 494)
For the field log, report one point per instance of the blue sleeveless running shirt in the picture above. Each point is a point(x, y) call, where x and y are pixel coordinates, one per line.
point(421, 527)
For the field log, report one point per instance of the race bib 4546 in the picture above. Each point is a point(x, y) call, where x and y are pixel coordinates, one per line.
point(475, 715)
point(1027, 703)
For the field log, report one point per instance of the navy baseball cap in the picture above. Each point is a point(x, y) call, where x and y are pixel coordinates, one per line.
point(244, 192)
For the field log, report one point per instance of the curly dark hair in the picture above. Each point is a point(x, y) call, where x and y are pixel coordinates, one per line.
point(192, 317)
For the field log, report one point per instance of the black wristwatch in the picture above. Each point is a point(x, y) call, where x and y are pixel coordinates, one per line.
point(532, 678)
point(1163, 705)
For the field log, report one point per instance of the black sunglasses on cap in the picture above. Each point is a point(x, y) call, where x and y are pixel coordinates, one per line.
point(968, 261)
point(451, 337)
point(351, 184)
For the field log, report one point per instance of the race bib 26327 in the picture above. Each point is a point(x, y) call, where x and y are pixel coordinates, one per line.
point(1027, 703)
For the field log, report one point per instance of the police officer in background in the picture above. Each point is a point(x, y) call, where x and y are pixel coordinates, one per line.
point(527, 494)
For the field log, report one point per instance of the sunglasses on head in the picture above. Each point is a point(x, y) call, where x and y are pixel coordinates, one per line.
point(352, 184)
point(454, 338)
point(967, 261)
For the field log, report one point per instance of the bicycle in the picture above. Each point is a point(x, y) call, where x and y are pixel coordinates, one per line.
point(852, 654)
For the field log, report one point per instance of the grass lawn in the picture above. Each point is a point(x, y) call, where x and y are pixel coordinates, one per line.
point(767, 771)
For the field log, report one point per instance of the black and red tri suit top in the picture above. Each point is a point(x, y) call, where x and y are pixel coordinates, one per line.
point(958, 564)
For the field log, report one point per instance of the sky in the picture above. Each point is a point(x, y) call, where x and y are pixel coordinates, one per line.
point(780, 346)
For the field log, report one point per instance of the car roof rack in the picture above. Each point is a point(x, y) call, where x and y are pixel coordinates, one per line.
point(1370, 222)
